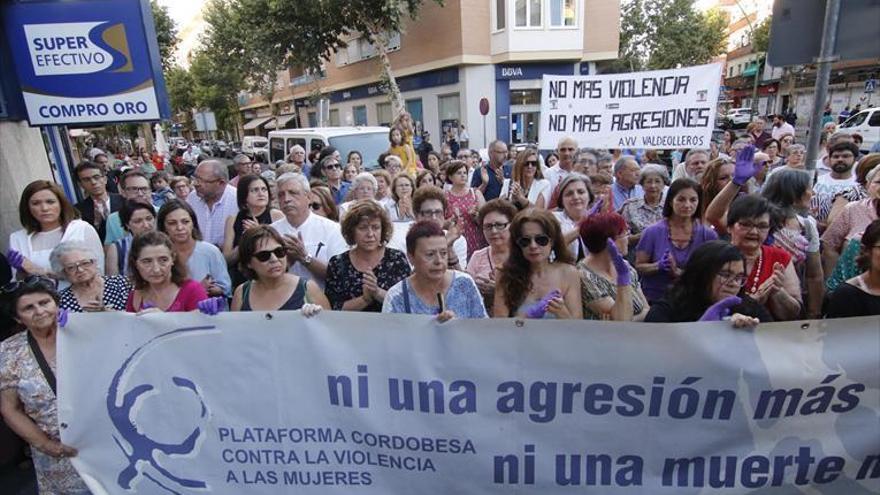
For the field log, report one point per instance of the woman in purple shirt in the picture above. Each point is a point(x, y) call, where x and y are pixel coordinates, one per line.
point(665, 247)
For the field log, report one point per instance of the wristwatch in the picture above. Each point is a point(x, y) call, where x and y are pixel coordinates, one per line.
point(307, 260)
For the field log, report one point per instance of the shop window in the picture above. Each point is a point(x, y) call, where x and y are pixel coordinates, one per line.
point(528, 13)
point(449, 107)
point(525, 97)
point(360, 115)
point(563, 13)
point(383, 113)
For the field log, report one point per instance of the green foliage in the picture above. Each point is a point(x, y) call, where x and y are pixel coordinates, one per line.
point(761, 37)
point(166, 34)
point(180, 86)
point(661, 34)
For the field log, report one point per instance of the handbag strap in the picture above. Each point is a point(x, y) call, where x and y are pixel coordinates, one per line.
point(41, 360)
point(406, 306)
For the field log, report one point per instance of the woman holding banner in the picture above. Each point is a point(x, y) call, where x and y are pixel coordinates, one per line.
point(27, 382)
point(710, 289)
point(160, 277)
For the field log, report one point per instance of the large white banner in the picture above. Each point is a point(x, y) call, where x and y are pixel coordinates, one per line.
point(672, 108)
point(250, 403)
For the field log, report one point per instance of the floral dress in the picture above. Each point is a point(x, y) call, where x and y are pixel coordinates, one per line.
point(20, 371)
point(345, 282)
point(461, 206)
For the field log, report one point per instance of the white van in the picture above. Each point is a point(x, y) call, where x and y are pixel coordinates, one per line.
point(867, 124)
point(255, 145)
point(369, 141)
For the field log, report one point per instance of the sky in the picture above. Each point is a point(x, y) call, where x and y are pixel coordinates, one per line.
point(185, 14)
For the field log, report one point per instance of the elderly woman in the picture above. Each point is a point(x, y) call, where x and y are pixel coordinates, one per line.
point(527, 187)
point(136, 219)
point(203, 260)
point(665, 247)
point(383, 186)
point(860, 295)
point(494, 217)
point(433, 288)
point(841, 238)
point(48, 218)
point(321, 203)
point(358, 279)
point(402, 188)
point(255, 208)
point(364, 187)
point(575, 196)
point(181, 186)
point(610, 287)
point(27, 383)
point(160, 277)
point(393, 165)
point(89, 290)
point(794, 160)
point(263, 260)
point(640, 213)
point(771, 277)
point(538, 280)
point(462, 203)
point(710, 289)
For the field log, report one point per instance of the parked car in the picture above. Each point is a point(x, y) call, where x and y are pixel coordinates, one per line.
point(865, 123)
point(256, 147)
point(369, 141)
point(738, 117)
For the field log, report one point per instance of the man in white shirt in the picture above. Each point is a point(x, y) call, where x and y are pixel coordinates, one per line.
point(780, 127)
point(566, 149)
point(841, 159)
point(213, 200)
point(311, 240)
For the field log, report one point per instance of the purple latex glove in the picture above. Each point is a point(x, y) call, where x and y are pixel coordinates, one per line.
point(16, 259)
point(719, 310)
point(620, 265)
point(665, 264)
point(62, 317)
point(539, 309)
point(147, 305)
point(597, 206)
point(212, 305)
point(745, 167)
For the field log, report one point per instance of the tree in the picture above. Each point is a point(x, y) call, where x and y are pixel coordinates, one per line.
point(761, 36)
point(663, 34)
point(166, 34)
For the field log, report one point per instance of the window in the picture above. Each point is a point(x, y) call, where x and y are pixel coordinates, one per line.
point(500, 14)
point(276, 150)
point(528, 13)
point(383, 113)
point(563, 13)
point(730, 71)
point(360, 48)
point(334, 117)
point(360, 115)
point(449, 108)
point(874, 121)
point(525, 97)
point(313, 119)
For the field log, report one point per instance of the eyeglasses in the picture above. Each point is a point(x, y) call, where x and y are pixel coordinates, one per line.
point(29, 282)
point(728, 277)
point(496, 227)
point(141, 190)
point(331, 166)
point(431, 213)
point(760, 227)
point(263, 256)
point(74, 267)
point(315, 206)
point(541, 240)
point(531, 163)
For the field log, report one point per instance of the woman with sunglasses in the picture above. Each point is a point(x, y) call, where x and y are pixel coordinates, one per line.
point(136, 218)
point(48, 218)
point(255, 208)
point(495, 217)
point(527, 187)
point(263, 260)
point(89, 290)
point(27, 382)
point(538, 280)
point(357, 280)
point(160, 277)
point(321, 202)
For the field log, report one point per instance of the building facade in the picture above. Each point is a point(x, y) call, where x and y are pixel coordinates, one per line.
point(446, 62)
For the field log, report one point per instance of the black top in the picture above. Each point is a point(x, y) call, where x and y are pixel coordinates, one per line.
point(116, 289)
point(664, 311)
point(265, 218)
point(345, 282)
point(848, 300)
point(294, 302)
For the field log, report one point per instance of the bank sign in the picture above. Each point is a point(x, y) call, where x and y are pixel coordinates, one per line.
point(86, 61)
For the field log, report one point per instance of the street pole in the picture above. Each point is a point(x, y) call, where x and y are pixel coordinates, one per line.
point(823, 74)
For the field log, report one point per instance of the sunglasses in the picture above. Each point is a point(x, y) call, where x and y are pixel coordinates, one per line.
point(315, 206)
point(541, 240)
point(333, 165)
point(531, 163)
point(263, 256)
point(29, 282)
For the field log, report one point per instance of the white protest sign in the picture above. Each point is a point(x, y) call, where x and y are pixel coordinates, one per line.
point(391, 404)
point(655, 109)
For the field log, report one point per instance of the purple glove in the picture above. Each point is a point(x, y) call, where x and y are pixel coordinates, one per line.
point(62, 317)
point(620, 265)
point(665, 264)
point(597, 206)
point(746, 168)
point(539, 309)
point(212, 305)
point(719, 310)
point(147, 305)
point(16, 259)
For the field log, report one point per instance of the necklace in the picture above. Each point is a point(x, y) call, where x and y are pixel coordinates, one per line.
point(676, 244)
point(753, 283)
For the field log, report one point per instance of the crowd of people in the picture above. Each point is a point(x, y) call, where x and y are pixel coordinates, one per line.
point(743, 231)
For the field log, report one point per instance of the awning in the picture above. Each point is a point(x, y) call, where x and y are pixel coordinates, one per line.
point(282, 122)
point(257, 122)
point(750, 70)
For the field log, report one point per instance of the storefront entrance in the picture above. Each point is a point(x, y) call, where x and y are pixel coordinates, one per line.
point(524, 127)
